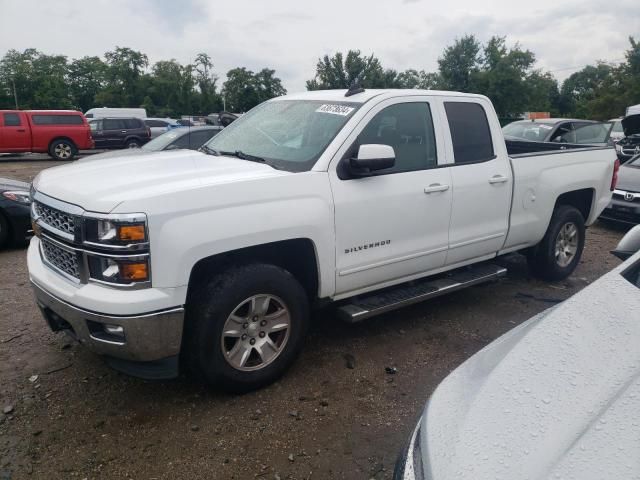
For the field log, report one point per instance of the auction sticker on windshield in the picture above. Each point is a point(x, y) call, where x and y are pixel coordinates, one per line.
point(335, 109)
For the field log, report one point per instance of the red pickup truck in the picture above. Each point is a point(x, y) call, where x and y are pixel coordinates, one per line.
point(60, 133)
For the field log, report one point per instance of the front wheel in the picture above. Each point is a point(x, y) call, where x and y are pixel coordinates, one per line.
point(558, 253)
point(62, 150)
point(246, 326)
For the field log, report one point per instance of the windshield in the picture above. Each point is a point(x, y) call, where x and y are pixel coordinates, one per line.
point(287, 134)
point(617, 127)
point(161, 141)
point(527, 130)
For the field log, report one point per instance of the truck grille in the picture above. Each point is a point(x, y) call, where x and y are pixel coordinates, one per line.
point(60, 258)
point(632, 150)
point(55, 218)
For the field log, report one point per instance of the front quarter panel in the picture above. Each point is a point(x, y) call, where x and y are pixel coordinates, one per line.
point(188, 226)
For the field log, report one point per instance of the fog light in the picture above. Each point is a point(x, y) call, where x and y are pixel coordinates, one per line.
point(115, 330)
point(134, 271)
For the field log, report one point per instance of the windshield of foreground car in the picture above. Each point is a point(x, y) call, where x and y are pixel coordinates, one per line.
point(288, 134)
point(527, 130)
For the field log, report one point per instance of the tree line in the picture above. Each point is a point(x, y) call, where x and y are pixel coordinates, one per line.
point(125, 78)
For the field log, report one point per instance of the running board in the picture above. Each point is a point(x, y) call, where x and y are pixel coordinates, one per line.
point(368, 305)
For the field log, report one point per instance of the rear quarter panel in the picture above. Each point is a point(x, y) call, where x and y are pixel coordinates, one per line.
point(539, 179)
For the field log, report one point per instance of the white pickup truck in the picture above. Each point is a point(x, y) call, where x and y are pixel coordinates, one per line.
point(369, 199)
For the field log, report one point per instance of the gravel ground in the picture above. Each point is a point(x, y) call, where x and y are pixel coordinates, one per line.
point(336, 414)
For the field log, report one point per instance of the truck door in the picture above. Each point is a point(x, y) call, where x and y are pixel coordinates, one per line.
point(394, 224)
point(482, 182)
point(16, 134)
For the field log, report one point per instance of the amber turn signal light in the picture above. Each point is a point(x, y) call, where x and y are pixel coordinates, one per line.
point(134, 271)
point(131, 233)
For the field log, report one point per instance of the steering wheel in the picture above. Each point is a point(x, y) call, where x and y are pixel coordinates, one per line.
point(267, 136)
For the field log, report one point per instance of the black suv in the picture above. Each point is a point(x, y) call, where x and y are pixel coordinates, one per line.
point(119, 132)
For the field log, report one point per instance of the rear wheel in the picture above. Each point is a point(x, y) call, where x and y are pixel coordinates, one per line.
point(133, 143)
point(558, 253)
point(246, 326)
point(62, 150)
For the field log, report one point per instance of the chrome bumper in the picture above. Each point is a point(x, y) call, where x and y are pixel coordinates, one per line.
point(141, 338)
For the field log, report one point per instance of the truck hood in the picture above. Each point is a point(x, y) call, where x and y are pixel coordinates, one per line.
point(100, 186)
point(631, 125)
point(557, 397)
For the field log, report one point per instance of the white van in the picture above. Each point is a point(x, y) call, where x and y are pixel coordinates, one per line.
point(116, 112)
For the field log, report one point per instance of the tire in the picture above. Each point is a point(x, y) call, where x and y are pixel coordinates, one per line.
point(558, 253)
point(4, 231)
point(132, 143)
point(62, 150)
point(247, 292)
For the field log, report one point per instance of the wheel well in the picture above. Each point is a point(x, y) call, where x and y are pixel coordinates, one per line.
point(580, 199)
point(297, 256)
point(62, 138)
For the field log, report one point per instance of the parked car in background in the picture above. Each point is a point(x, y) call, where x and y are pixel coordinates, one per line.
point(556, 397)
point(625, 203)
point(60, 133)
point(545, 129)
point(617, 132)
point(158, 126)
point(180, 138)
point(552, 134)
point(359, 197)
point(222, 119)
point(15, 209)
point(105, 112)
point(629, 146)
point(119, 132)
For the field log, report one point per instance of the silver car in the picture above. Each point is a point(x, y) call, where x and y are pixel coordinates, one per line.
point(558, 397)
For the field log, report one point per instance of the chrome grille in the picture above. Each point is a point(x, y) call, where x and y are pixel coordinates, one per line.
point(55, 218)
point(633, 150)
point(60, 258)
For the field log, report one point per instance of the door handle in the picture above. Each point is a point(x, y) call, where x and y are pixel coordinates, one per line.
point(436, 187)
point(124, 131)
point(21, 130)
point(498, 179)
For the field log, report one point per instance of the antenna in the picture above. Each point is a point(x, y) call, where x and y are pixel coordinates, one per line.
point(355, 86)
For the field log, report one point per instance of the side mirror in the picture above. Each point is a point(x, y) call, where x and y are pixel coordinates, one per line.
point(370, 158)
point(629, 244)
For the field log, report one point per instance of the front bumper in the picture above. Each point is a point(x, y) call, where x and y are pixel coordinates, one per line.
point(148, 345)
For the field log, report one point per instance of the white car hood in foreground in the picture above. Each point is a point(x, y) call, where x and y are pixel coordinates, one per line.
point(101, 185)
point(556, 398)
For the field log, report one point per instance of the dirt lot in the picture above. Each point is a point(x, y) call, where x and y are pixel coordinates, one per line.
point(73, 417)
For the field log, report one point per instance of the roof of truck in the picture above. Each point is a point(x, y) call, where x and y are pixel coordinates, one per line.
point(368, 94)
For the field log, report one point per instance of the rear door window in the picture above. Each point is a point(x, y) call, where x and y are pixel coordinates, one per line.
point(12, 120)
point(132, 123)
point(470, 132)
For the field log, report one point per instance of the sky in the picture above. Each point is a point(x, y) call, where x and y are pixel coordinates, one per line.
point(290, 35)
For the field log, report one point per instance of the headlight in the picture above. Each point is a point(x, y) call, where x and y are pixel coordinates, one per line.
point(19, 196)
point(618, 148)
point(126, 230)
point(118, 269)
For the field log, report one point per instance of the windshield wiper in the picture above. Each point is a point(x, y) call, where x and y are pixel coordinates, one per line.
point(238, 154)
point(208, 150)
